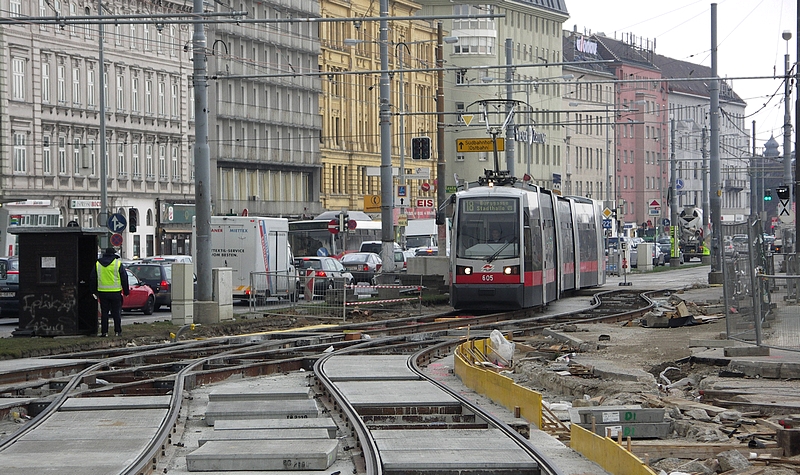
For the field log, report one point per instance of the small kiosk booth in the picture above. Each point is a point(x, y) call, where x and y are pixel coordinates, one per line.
point(55, 265)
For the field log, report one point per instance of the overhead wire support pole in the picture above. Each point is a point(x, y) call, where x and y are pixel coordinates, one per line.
point(715, 276)
point(202, 160)
point(674, 260)
point(103, 216)
point(440, 158)
point(511, 130)
point(385, 118)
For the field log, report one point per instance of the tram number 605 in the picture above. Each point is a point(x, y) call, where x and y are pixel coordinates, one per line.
point(487, 277)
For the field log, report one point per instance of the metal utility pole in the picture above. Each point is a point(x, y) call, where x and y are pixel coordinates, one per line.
point(754, 195)
point(673, 193)
point(787, 130)
point(705, 205)
point(441, 221)
point(387, 204)
point(797, 116)
point(103, 218)
point(608, 159)
point(202, 161)
point(402, 176)
point(715, 276)
point(511, 130)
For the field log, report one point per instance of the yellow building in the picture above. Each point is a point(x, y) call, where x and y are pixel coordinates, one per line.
point(350, 103)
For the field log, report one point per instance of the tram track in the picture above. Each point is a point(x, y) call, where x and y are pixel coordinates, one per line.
point(165, 371)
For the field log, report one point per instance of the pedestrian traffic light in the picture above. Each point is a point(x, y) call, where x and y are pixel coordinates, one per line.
point(421, 148)
point(782, 192)
point(767, 195)
point(133, 219)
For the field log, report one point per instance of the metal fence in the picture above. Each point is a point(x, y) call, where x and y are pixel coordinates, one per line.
point(331, 297)
point(760, 288)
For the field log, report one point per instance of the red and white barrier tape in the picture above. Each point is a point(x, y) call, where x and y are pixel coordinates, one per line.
point(369, 302)
point(384, 287)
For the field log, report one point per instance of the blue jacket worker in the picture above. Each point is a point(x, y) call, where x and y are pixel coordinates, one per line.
point(110, 280)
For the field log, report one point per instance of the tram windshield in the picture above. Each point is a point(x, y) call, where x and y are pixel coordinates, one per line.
point(488, 228)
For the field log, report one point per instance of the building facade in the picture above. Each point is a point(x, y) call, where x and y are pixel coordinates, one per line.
point(264, 123)
point(50, 109)
point(590, 113)
point(529, 38)
point(350, 104)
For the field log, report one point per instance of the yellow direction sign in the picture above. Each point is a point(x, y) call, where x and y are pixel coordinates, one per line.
point(372, 203)
point(479, 145)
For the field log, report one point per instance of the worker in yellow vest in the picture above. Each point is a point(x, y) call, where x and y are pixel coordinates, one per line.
point(110, 281)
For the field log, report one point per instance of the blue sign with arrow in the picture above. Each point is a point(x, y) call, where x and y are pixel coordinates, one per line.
point(117, 223)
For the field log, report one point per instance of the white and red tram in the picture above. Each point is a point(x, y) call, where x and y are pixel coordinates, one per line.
point(522, 246)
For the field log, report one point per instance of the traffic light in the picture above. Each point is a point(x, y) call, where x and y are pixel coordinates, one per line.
point(767, 195)
point(421, 148)
point(783, 193)
point(133, 219)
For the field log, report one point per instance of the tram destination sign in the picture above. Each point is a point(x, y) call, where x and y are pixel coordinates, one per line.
point(489, 205)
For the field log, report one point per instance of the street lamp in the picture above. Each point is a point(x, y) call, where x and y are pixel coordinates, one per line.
point(787, 121)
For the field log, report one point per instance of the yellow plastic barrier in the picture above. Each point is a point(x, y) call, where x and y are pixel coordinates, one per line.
point(605, 452)
point(504, 391)
point(500, 389)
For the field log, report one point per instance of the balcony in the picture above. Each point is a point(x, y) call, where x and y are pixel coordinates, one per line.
point(732, 184)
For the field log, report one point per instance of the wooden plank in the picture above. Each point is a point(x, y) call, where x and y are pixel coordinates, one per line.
point(696, 450)
point(685, 405)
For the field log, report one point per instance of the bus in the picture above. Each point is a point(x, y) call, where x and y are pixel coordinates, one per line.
point(312, 238)
point(29, 213)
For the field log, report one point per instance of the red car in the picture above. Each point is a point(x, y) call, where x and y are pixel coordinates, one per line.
point(141, 296)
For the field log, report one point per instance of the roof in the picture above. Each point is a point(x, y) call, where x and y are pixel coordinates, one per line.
point(675, 68)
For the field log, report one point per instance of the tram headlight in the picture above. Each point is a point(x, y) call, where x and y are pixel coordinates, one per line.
point(511, 270)
point(463, 270)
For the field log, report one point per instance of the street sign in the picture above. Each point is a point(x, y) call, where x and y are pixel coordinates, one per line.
point(402, 220)
point(678, 184)
point(421, 173)
point(606, 224)
point(333, 226)
point(451, 188)
point(351, 224)
point(655, 211)
point(117, 223)
point(425, 186)
point(785, 214)
point(372, 203)
point(665, 222)
point(655, 204)
point(607, 213)
point(480, 145)
point(115, 240)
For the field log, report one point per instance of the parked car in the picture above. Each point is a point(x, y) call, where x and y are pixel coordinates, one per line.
point(400, 261)
point(427, 251)
point(740, 243)
point(166, 259)
point(141, 296)
point(159, 278)
point(665, 246)
point(777, 245)
point(9, 286)
point(363, 265)
point(375, 247)
point(328, 273)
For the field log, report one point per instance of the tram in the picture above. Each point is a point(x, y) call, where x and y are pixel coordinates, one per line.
point(517, 245)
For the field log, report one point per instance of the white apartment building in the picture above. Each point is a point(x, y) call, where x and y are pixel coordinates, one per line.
point(263, 132)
